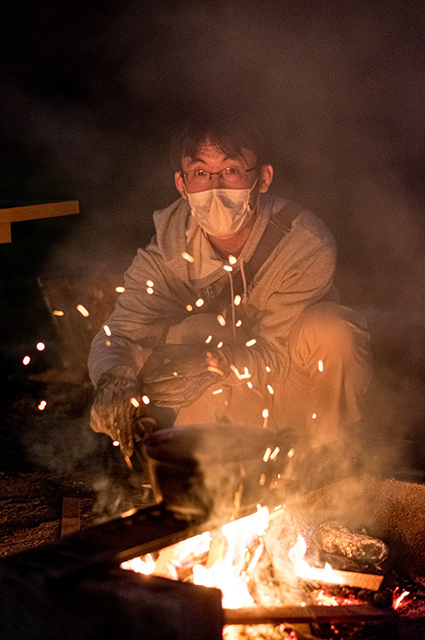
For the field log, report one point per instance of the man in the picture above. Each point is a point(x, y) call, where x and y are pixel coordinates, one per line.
point(230, 313)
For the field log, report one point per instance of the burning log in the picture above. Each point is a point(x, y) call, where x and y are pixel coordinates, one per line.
point(361, 548)
point(312, 613)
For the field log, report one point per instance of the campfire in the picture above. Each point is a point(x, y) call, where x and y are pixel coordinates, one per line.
point(273, 572)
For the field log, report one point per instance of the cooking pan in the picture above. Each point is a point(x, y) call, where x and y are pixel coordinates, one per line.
point(200, 468)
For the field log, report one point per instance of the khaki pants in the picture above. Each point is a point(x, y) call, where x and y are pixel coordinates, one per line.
point(320, 396)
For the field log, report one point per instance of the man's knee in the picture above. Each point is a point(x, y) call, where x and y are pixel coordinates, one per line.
point(328, 328)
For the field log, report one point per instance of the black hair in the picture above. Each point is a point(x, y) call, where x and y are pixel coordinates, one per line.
point(230, 135)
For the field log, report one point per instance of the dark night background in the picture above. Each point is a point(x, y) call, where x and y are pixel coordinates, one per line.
point(91, 91)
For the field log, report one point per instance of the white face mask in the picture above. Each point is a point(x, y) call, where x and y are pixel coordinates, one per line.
point(221, 212)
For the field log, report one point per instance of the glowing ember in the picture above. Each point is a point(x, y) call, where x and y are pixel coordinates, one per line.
point(208, 340)
point(290, 453)
point(249, 384)
point(265, 414)
point(221, 320)
point(268, 369)
point(135, 402)
point(270, 389)
point(188, 257)
point(250, 343)
point(149, 290)
point(397, 600)
point(108, 343)
point(220, 344)
point(189, 307)
point(274, 453)
point(120, 289)
point(145, 399)
point(149, 283)
point(217, 391)
point(237, 300)
point(107, 330)
point(58, 313)
point(228, 268)
point(81, 308)
point(232, 259)
point(26, 360)
point(42, 405)
point(238, 324)
point(314, 416)
point(116, 443)
point(199, 302)
point(320, 365)
point(40, 346)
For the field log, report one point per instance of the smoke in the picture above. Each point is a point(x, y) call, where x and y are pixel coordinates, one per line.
point(338, 91)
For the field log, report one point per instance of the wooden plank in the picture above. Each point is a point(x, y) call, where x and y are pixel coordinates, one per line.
point(37, 211)
point(5, 232)
point(313, 613)
point(70, 516)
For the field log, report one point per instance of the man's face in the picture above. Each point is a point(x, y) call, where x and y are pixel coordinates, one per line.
point(213, 160)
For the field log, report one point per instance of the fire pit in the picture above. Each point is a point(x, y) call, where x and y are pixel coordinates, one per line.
point(48, 591)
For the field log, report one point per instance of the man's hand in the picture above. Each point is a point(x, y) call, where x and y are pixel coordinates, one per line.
point(113, 412)
point(176, 375)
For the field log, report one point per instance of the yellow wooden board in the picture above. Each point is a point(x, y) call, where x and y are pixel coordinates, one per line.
point(21, 213)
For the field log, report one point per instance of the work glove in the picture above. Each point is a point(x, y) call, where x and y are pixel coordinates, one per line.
point(113, 411)
point(176, 375)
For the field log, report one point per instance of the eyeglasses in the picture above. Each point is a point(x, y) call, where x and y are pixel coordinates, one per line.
point(230, 176)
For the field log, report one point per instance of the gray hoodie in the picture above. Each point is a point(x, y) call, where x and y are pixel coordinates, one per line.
point(298, 273)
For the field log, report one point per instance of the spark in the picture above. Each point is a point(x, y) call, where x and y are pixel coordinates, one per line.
point(265, 415)
point(232, 259)
point(250, 343)
point(149, 283)
point(42, 405)
point(107, 330)
point(215, 370)
point(266, 455)
point(274, 453)
point(135, 402)
point(145, 399)
point(40, 346)
point(217, 391)
point(237, 300)
point(116, 443)
point(268, 368)
point(290, 453)
point(189, 307)
point(188, 257)
point(81, 308)
point(108, 343)
point(270, 389)
point(228, 268)
point(262, 480)
point(199, 302)
point(120, 289)
point(149, 290)
point(26, 360)
point(314, 416)
point(240, 376)
point(220, 344)
point(57, 312)
point(239, 322)
point(320, 365)
point(250, 385)
point(221, 320)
